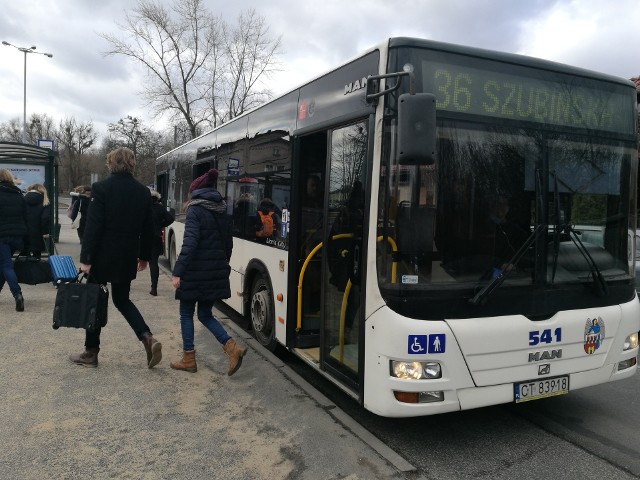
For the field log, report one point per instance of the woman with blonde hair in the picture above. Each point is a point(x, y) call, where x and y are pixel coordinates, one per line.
point(38, 220)
point(13, 228)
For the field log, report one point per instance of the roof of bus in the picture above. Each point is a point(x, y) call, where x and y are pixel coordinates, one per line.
point(396, 42)
point(504, 57)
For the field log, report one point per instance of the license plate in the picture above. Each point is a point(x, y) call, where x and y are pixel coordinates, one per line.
point(545, 387)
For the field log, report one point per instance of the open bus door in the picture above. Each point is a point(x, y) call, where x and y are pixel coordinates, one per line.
point(329, 255)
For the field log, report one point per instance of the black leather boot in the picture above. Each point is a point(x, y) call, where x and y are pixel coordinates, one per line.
point(19, 303)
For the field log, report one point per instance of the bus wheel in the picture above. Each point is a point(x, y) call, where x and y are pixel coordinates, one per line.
point(262, 316)
point(172, 253)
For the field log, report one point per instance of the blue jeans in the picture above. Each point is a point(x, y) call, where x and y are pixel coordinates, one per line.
point(206, 318)
point(6, 269)
point(120, 297)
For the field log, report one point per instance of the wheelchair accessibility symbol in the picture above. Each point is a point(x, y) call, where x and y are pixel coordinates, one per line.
point(422, 344)
point(417, 344)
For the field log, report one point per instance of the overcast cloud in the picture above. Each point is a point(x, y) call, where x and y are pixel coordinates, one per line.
point(78, 81)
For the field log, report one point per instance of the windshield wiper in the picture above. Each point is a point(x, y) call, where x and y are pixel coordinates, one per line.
point(599, 283)
point(560, 227)
point(481, 297)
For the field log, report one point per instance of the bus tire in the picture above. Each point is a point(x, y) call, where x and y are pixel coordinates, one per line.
point(172, 253)
point(262, 314)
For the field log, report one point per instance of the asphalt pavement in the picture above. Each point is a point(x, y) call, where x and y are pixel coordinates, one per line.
point(123, 420)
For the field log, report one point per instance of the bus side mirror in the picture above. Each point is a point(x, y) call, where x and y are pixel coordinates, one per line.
point(416, 129)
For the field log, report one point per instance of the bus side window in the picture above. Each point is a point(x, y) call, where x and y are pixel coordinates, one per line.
point(244, 214)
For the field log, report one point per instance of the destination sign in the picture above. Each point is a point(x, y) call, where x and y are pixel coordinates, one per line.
point(529, 94)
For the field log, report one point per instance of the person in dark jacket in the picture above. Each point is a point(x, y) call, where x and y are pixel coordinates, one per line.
point(116, 245)
point(81, 206)
point(13, 228)
point(161, 218)
point(38, 220)
point(201, 273)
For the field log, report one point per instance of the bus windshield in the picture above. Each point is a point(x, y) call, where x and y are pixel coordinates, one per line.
point(542, 204)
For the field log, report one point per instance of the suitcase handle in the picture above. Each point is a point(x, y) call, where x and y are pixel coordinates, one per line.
point(82, 276)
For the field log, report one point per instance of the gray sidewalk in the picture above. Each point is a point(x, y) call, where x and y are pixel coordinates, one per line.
point(122, 420)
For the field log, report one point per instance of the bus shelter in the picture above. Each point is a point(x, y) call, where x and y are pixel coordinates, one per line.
point(30, 164)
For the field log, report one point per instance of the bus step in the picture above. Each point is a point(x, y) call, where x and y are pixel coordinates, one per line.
point(311, 322)
point(306, 340)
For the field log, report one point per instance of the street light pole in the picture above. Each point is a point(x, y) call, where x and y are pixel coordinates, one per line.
point(26, 50)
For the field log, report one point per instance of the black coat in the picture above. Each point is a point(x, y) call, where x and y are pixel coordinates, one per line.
point(119, 229)
point(38, 221)
point(203, 263)
point(161, 218)
point(13, 215)
point(81, 205)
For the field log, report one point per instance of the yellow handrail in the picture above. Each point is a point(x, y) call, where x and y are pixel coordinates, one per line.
point(394, 248)
point(343, 314)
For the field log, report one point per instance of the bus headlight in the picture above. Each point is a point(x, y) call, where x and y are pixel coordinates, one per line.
point(631, 342)
point(416, 370)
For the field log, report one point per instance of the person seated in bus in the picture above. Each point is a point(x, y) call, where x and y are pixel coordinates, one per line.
point(505, 236)
point(244, 212)
point(267, 220)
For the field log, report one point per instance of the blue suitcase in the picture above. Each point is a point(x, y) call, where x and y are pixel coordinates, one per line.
point(62, 268)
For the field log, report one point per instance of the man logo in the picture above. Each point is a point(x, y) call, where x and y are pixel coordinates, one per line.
point(546, 355)
point(544, 369)
point(355, 86)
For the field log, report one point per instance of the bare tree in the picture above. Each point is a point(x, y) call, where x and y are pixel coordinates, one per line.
point(146, 144)
point(40, 127)
point(176, 49)
point(74, 142)
point(11, 130)
point(201, 71)
point(251, 55)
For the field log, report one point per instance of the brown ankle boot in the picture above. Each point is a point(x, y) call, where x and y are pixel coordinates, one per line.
point(186, 363)
point(153, 349)
point(235, 354)
point(88, 358)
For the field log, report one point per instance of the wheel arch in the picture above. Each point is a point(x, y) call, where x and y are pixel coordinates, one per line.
point(255, 268)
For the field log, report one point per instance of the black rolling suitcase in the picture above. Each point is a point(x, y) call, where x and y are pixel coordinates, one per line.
point(81, 304)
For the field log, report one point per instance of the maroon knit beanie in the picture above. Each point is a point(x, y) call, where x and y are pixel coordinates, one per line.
point(204, 181)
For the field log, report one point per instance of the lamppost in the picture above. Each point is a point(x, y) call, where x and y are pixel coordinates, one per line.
point(26, 50)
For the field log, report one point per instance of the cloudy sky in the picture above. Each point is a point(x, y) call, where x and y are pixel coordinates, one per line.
point(316, 36)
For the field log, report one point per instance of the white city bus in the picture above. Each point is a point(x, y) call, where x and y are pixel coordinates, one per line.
point(472, 241)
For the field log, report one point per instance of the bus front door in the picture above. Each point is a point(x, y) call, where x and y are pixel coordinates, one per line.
point(341, 313)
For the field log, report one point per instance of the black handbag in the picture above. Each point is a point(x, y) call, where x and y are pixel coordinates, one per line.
point(32, 271)
point(81, 304)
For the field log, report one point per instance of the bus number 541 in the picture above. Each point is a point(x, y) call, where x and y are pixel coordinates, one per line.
point(545, 336)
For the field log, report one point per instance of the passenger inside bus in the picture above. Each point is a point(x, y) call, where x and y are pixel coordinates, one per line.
point(244, 216)
point(313, 195)
point(267, 220)
point(505, 236)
